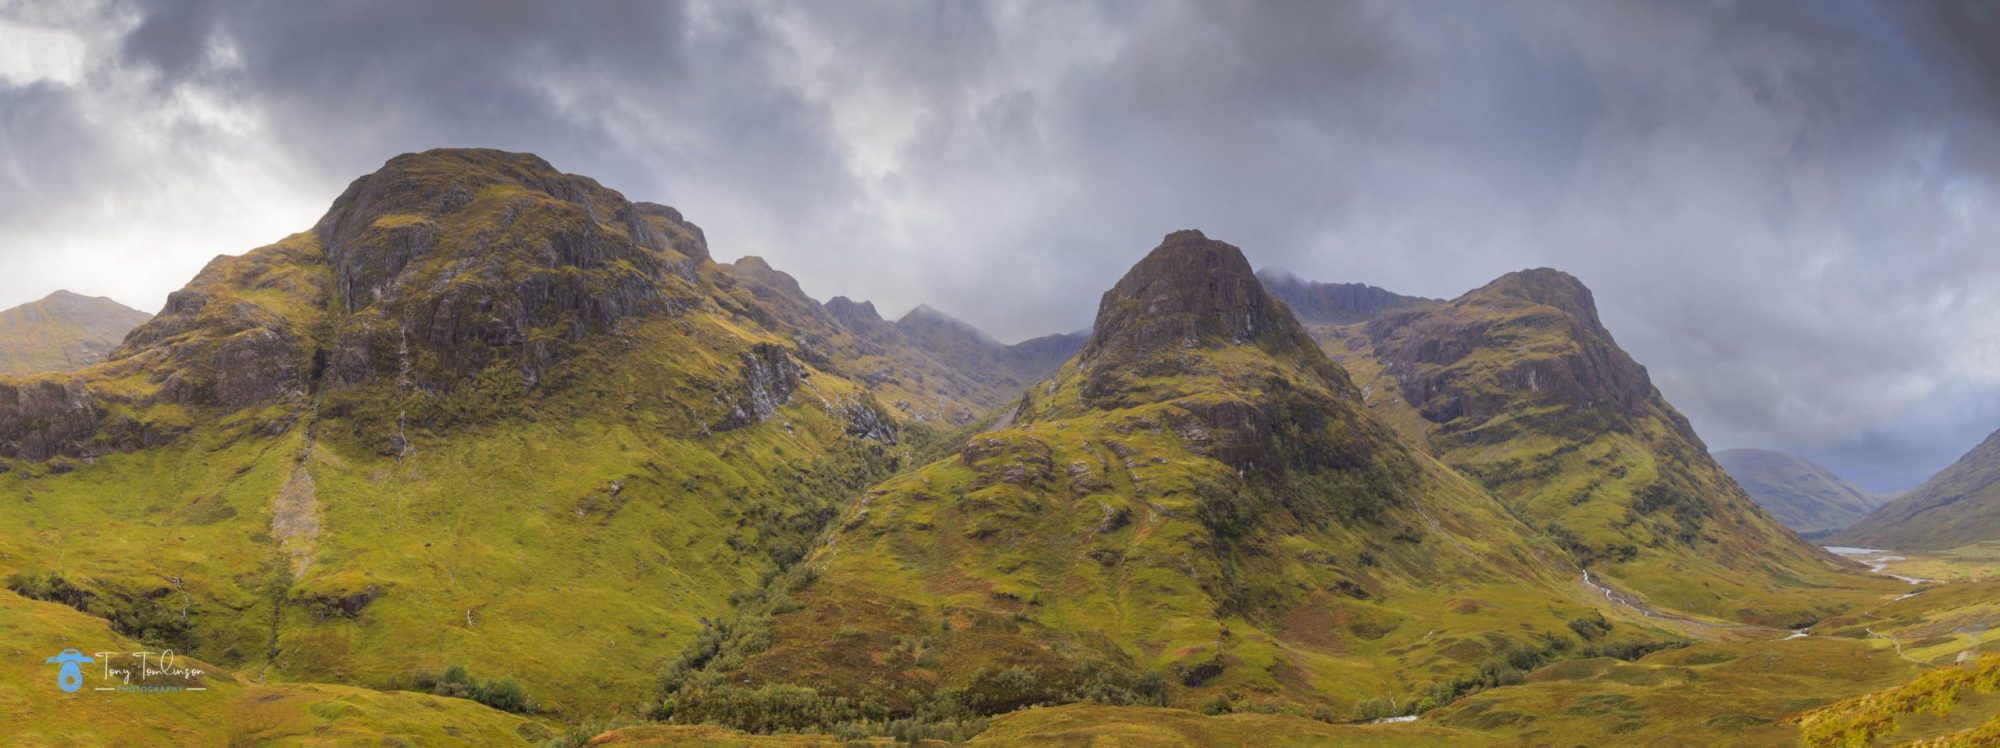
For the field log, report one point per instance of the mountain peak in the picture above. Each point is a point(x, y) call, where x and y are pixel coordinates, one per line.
point(1548, 287)
point(1189, 291)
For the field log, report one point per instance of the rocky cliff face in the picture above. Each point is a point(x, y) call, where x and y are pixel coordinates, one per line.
point(62, 332)
point(1576, 366)
point(1318, 303)
point(480, 256)
point(1191, 294)
point(1959, 506)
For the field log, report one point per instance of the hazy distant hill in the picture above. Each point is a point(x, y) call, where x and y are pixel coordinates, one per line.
point(63, 332)
point(1318, 303)
point(1806, 497)
point(1956, 507)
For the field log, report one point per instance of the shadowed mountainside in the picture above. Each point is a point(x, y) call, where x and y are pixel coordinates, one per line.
point(1802, 495)
point(1958, 506)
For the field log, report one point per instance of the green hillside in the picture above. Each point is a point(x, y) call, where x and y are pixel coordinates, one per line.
point(1195, 511)
point(1519, 386)
point(484, 414)
point(232, 708)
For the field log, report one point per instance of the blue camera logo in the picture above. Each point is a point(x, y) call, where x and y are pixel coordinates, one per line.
point(71, 677)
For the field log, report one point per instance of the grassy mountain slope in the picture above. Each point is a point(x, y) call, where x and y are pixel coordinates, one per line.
point(1959, 506)
point(1804, 496)
point(1519, 386)
point(62, 332)
point(1194, 510)
point(234, 709)
point(483, 414)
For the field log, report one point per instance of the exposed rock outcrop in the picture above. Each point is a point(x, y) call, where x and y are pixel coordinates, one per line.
point(1334, 303)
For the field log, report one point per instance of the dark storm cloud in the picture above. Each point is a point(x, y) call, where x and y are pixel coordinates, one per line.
point(1786, 208)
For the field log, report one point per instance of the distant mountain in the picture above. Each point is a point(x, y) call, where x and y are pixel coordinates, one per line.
point(934, 367)
point(1318, 303)
point(1520, 386)
point(1804, 496)
point(1956, 507)
point(62, 332)
point(1196, 506)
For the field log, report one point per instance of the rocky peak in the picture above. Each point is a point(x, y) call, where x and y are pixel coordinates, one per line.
point(1334, 303)
point(1548, 287)
point(925, 323)
point(1190, 291)
point(476, 205)
point(858, 316)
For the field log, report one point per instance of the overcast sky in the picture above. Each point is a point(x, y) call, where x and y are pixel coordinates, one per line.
point(1787, 211)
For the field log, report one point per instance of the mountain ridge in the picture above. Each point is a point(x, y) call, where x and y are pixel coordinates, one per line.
point(1518, 385)
point(1195, 505)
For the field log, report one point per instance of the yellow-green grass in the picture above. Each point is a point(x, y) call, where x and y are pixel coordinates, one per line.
point(1934, 626)
point(233, 710)
point(1082, 539)
point(1976, 562)
point(1946, 706)
point(567, 550)
point(1717, 693)
point(1093, 725)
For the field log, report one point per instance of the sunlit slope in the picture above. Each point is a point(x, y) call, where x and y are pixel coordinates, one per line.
point(1194, 509)
point(1955, 707)
point(1959, 506)
point(484, 414)
point(232, 710)
point(1518, 386)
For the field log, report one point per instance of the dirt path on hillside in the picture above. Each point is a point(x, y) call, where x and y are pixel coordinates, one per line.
point(295, 519)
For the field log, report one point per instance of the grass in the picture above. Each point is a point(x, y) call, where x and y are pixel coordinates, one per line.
point(1738, 693)
point(233, 710)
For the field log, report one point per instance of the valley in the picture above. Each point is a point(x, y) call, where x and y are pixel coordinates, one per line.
point(492, 455)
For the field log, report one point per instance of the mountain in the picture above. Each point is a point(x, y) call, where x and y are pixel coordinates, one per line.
point(1318, 303)
point(1519, 386)
point(1804, 496)
point(1196, 508)
point(482, 414)
point(967, 372)
point(62, 332)
point(1958, 506)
